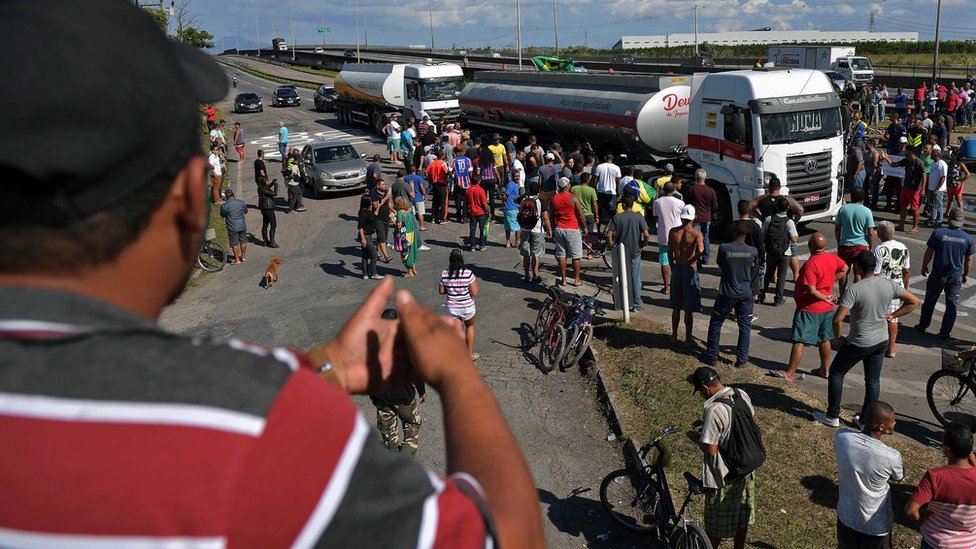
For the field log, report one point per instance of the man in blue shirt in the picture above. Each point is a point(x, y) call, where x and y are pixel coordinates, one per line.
point(854, 230)
point(418, 201)
point(737, 260)
point(461, 168)
point(900, 100)
point(374, 173)
point(894, 133)
point(952, 250)
point(511, 208)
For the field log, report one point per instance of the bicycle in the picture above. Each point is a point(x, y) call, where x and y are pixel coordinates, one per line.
point(640, 498)
point(598, 245)
point(212, 256)
point(549, 329)
point(579, 329)
point(951, 391)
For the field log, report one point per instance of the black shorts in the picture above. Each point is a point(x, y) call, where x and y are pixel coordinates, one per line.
point(382, 231)
point(236, 237)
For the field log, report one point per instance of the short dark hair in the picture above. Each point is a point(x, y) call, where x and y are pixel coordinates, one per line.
point(532, 186)
point(741, 229)
point(260, 153)
point(389, 314)
point(857, 194)
point(865, 261)
point(877, 412)
point(401, 173)
point(669, 187)
point(64, 242)
point(782, 204)
point(958, 438)
point(629, 170)
point(743, 207)
point(584, 178)
point(774, 184)
point(628, 199)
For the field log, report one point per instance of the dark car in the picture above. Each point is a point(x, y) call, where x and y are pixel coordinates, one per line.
point(286, 95)
point(248, 102)
point(325, 98)
point(349, 53)
point(331, 166)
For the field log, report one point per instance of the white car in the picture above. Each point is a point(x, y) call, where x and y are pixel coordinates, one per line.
point(320, 49)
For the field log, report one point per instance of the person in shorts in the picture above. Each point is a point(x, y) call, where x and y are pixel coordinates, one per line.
point(567, 214)
point(815, 305)
point(667, 210)
point(911, 187)
point(685, 245)
point(511, 208)
point(854, 230)
point(460, 286)
point(233, 211)
point(533, 245)
point(893, 262)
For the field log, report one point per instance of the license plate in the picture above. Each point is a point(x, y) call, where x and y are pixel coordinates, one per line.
point(811, 198)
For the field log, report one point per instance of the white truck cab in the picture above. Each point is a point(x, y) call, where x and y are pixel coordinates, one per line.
point(433, 90)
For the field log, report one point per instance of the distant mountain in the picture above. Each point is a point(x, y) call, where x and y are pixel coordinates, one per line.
point(230, 42)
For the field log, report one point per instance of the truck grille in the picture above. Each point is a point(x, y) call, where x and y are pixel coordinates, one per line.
point(808, 180)
point(449, 113)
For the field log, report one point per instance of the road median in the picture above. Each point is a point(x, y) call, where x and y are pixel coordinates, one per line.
point(643, 379)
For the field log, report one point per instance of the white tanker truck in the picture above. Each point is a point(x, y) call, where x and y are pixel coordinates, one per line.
point(742, 127)
point(369, 92)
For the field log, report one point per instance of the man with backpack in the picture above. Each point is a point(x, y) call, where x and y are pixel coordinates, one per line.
point(779, 232)
point(535, 226)
point(733, 449)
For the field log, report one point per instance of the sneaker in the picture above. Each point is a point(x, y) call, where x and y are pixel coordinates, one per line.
point(706, 361)
point(365, 277)
point(376, 277)
point(424, 248)
point(857, 422)
point(301, 210)
point(828, 421)
point(741, 364)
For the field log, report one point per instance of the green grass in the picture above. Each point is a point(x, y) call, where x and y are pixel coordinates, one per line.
point(796, 488)
point(312, 70)
point(215, 221)
point(261, 74)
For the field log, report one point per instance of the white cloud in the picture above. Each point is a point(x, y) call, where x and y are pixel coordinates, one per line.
point(844, 9)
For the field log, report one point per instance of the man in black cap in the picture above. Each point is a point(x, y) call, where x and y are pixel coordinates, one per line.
point(117, 433)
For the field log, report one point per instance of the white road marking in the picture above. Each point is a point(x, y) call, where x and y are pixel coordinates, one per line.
point(298, 139)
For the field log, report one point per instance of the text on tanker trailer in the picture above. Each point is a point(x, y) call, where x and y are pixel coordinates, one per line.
point(369, 92)
point(743, 127)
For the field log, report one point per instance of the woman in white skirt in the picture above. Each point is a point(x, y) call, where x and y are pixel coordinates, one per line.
point(460, 286)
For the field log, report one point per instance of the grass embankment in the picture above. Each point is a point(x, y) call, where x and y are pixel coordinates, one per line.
point(261, 74)
point(312, 70)
point(796, 488)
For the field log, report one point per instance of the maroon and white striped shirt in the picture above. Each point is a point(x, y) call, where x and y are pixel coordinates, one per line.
point(951, 496)
point(118, 434)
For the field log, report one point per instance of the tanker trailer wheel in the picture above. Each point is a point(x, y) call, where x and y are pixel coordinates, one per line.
point(722, 218)
point(377, 123)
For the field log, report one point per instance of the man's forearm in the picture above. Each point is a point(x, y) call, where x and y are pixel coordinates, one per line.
point(480, 443)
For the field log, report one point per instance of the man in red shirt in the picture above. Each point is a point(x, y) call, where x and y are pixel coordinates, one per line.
point(437, 176)
point(815, 303)
point(211, 114)
point(705, 201)
point(567, 213)
point(477, 200)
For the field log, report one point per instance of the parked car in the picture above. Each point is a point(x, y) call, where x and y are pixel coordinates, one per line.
point(319, 49)
point(286, 95)
point(349, 52)
point(841, 83)
point(332, 166)
point(248, 102)
point(325, 98)
point(701, 60)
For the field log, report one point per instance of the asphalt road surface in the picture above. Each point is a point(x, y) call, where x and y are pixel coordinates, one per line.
point(555, 417)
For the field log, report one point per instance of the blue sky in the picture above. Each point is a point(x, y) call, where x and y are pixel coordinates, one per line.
point(598, 23)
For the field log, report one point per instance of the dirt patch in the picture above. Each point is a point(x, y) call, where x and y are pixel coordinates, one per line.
point(797, 487)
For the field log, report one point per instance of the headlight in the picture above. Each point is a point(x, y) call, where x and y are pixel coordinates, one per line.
point(362, 171)
point(325, 175)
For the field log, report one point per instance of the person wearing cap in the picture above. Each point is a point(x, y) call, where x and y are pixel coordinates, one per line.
point(567, 216)
point(936, 202)
point(216, 173)
point(500, 156)
point(685, 246)
point(660, 181)
point(911, 187)
point(866, 302)
point(233, 210)
point(187, 440)
point(282, 141)
point(549, 175)
point(950, 253)
point(956, 177)
point(730, 504)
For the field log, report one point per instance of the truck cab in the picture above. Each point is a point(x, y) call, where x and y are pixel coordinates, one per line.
point(433, 90)
point(747, 127)
point(856, 69)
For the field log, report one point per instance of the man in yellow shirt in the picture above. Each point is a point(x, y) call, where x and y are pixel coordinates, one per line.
point(642, 192)
point(501, 156)
point(668, 174)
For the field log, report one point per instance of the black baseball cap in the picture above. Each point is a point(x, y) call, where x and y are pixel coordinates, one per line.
point(702, 377)
point(97, 102)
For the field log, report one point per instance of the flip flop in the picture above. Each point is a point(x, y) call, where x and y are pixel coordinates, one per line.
point(778, 373)
point(475, 356)
point(576, 284)
point(815, 373)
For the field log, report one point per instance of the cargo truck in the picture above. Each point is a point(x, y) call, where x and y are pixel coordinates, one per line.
point(841, 59)
point(367, 93)
point(278, 44)
point(742, 127)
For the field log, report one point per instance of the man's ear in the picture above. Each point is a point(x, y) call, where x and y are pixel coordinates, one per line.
point(190, 190)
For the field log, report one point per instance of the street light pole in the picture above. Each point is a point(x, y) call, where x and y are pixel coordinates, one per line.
point(358, 60)
point(365, 30)
point(555, 27)
point(430, 17)
point(291, 18)
point(696, 30)
point(322, 18)
point(518, 31)
point(935, 61)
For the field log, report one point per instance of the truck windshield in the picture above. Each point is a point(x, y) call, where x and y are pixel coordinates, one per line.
point(860, 64)
point(791, 127)
point(441, 89)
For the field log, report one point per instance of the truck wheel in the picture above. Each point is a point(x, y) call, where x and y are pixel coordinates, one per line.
point(377, 123)
point(721, 229)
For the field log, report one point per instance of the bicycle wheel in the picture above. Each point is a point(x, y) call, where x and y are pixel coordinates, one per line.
point(577, 341)
point(212, 256)
point(542, 320)
point(552, 349)
point(640, 512)
point(692, 536)
point(951, 398)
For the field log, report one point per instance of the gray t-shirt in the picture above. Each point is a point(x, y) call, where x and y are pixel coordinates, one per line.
point(864, 467)
point(233, 211)
point(868, 302)
point(627, 229)
point(716, 426)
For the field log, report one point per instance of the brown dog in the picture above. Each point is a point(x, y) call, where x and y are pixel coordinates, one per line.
point(271, 275)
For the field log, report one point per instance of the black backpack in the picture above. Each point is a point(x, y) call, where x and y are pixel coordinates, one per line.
point(743, 451)
point(528, 213)
point(777, 238)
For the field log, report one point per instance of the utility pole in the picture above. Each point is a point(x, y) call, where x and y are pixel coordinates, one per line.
point(935, 61)
point(430, 17)
point(518, 31)
point(696, 30)
point(291, 17)
point(555, 27)
point(237, 40)
point(322, 18)
point(586, 37)
point(358, 60)
point(365, 30)
point(257, 34)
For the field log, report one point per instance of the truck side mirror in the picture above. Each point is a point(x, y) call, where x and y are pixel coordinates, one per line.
point(727, 110)
point(739, 125)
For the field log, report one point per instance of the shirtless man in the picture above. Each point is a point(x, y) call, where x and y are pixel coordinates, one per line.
point(685, 246)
